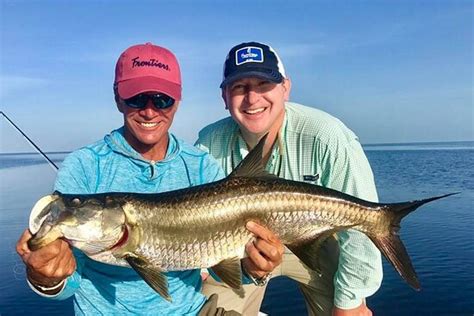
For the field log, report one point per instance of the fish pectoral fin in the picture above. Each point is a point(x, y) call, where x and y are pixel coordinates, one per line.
point(308, 254)
point(230, 272)
point(152, 276)
point(309, 251)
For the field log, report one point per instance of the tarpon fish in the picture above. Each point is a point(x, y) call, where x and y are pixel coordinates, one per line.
point(204, 226)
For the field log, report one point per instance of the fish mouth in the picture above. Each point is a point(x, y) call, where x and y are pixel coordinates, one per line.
point(42, 238)
point(43, 233)
point(40, 212)
point(49, 234)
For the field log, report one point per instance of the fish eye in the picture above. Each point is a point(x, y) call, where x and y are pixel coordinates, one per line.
point(76, 202)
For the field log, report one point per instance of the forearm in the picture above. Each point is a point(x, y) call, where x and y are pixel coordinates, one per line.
point(359, 273)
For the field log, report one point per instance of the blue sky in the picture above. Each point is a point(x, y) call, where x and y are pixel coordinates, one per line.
point(393, 71)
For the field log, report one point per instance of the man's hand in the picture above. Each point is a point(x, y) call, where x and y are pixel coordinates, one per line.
point(49, 265)
point(362, 310)
point(265, 253)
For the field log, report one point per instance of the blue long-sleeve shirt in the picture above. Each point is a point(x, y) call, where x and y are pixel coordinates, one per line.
point(112, 165)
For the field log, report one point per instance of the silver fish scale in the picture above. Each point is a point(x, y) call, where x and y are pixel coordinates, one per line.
point(205, 225)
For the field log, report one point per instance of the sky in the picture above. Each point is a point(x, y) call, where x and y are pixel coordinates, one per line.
point(392, 71)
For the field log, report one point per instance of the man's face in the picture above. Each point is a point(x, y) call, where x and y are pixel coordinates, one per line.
point(147, 128)
point(257, 105)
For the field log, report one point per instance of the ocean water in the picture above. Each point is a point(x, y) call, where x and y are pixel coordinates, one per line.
point(439, 236)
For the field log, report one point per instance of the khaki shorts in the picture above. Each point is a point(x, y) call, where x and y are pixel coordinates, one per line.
point(318, 290)
point(210, 308)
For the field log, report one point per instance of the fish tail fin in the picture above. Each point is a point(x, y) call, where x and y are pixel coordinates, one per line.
point(400, 210)
point(391, 245)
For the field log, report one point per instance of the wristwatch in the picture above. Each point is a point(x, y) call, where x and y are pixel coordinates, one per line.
point(262, 281)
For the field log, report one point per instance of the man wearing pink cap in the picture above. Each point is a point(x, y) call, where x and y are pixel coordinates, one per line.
point(141, 156)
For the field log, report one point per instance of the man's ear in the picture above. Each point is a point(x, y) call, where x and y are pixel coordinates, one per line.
point(118, 101)
point(287, 87)
point(119, 106)
point(224, 98)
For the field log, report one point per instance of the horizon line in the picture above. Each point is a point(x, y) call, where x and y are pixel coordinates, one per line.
point(363, 145)
point(418, 143)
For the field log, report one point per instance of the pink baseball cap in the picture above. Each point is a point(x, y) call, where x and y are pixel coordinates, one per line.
point(147, 67)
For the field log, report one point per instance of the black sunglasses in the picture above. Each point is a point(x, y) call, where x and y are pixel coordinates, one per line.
point(160, 101)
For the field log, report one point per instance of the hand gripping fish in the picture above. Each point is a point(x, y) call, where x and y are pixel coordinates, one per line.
point(204, 226)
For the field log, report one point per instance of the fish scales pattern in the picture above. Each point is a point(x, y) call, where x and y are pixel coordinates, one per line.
point(199, 227)
point(205, 225)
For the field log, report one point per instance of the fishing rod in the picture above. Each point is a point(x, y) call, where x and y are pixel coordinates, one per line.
point(51, 163)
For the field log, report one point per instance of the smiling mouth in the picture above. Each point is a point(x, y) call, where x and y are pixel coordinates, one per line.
point(255, 111)
point(148, 125)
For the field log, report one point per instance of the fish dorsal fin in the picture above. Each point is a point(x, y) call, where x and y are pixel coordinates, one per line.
point(153, 277)
point(230, 272)
point(252, 165)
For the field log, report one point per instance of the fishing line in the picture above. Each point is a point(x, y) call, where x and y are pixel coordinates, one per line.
point(51, 163)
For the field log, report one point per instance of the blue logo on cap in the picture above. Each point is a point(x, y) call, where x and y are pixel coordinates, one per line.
point(249, 54)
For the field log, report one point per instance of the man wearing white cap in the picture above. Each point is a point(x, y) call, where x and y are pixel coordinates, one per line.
point(303, 144)
point(141, 156)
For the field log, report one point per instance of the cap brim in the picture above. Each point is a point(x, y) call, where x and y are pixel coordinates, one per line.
point(269, 75)
point(131, 87)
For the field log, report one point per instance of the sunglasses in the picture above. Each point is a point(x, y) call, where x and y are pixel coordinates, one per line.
point(160, 101)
